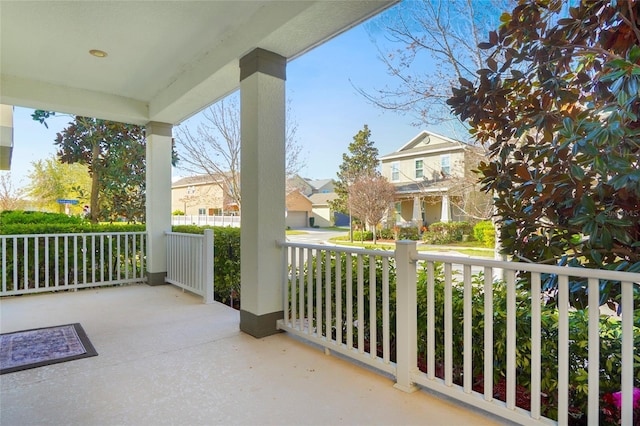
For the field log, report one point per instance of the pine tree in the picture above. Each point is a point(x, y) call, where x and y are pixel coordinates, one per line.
point(360, 161)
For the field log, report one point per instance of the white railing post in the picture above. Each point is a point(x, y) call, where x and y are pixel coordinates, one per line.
point(207, 264)
point(406, 315)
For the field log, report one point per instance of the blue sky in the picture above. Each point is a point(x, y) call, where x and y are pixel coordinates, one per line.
point(324, 102)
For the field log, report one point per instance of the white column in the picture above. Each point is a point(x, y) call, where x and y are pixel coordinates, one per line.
point(417, 212)
point(262, 97)
point(6, 136)
point(158, 199)
point(445, 213)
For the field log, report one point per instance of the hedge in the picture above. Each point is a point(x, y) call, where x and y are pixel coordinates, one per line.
point(447, 232)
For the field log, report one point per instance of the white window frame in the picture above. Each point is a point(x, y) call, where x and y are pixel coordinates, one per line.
point(419, 172)
point(445, 164)
point(395, 171)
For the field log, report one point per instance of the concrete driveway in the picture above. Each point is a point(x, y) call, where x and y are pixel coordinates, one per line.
point(315, 235)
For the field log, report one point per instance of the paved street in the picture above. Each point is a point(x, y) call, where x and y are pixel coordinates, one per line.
point(315, 235)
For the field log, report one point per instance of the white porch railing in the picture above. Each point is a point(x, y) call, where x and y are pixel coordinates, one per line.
point(190, 262)
point(327, 300)
point(52, 262)
point(202, 220)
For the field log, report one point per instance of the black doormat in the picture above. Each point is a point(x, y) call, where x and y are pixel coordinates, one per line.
point(26, 349)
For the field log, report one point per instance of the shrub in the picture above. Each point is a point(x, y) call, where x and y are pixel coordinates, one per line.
point(408, 234)
point(446, 232)
point(177, 213)
point(387, 234)
point(11, 217)
point(485, 233)
point(362, 235)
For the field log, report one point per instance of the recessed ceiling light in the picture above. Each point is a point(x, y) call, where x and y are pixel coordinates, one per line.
point(98, 53)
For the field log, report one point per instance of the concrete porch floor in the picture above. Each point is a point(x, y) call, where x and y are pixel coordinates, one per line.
point(167, 358)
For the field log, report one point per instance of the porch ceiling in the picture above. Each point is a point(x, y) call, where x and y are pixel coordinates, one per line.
point(166, 60)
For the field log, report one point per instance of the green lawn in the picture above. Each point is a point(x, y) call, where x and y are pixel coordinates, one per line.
point(465, 248)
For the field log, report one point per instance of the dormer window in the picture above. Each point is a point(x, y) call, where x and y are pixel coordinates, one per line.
point(419, 169)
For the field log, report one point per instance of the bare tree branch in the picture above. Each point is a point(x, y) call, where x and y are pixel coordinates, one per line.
point(369, 198)
point(214, 148)
point(437, 44)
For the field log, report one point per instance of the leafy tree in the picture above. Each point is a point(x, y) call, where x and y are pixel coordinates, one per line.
point(557, 104)
point(370, 196)
point(51, 180)
point(213, 149)
point(360, 161)
point(440, 33)
point(10, 197)
point(115, 156)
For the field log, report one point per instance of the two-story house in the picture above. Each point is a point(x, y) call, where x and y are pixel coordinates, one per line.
point(202, 195)
point(434, 180)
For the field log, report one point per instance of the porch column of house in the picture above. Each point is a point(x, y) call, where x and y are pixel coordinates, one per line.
point(417, 212)
point(6, 136)
point(262, 117)
point(445, 211)
point(158, 199)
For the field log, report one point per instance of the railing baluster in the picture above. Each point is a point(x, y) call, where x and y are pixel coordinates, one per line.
point(468, 327)
point(488, 334)
point(627, 352)
point(511, 339)
point(75, 262)
point(4, 264)
point(373, 317)
point(101, 252)
point(126, 256)
point(536, 342)
point(300, 288)
point(292, 284)
point(65, 253)
point(338, 298)
point(25, 262)
point(431, 322)
point(93, 259)
point(84, 259)
point(448, 325)
point(310, 257)
point(360, 305)
point(16, 285)
point(143, 241)
point(118, 261)
point(327, 294)
point(46, 261)
point(594, 351)
point(349, 284)
point(36, 261)
point(286, 285)
point(56, 261)
point(563, 349)
point(320, 254)
point(386, 344)
point(110, 254)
